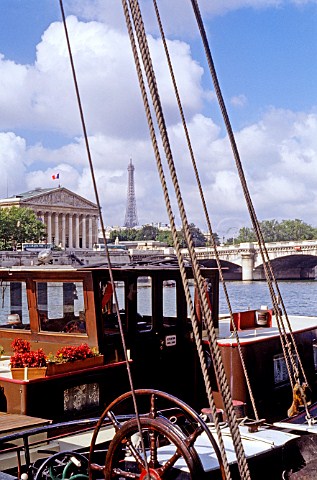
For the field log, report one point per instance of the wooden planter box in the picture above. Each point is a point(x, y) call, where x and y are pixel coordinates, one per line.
point(28, 373)
point(59, 368)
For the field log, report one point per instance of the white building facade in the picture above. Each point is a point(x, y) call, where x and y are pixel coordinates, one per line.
point(71, 220)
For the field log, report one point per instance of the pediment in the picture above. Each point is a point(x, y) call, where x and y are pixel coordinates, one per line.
point(60, 198)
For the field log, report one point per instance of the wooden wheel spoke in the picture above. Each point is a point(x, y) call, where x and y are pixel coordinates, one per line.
point(153, 410)
point(191, 439)
point(117, 425)
point(123, 474)
point(134, 452)
point(153, 449)
point(169, 463)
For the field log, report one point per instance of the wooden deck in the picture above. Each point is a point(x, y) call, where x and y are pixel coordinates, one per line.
point(12, 423)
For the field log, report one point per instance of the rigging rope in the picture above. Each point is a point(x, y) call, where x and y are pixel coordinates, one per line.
point(202, 196)
point(223, 460)
point(83, 123)
point(214, 348)
point(291, 365)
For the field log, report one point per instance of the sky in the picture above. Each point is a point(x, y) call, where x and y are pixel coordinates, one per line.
point(265, 56)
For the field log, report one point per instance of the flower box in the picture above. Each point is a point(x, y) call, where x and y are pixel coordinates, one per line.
point(28, 373)
point(67, 367)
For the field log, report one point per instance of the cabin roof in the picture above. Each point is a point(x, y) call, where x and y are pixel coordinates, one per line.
point(141, 267)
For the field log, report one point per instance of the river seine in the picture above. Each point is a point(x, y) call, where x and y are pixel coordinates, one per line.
point(299, 297)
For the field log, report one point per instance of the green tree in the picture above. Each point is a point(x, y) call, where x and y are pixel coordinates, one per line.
point(19, 225)
point(246, 234)
point(165, 236)
point(274, 231)
point(198, 237)
point(124, 234)
point(296, 230)
point(216, 239)
point(270, 230)
point(148, 232)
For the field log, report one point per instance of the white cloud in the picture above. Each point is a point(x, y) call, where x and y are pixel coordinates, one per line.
point(278, 152)
point(12, 152)
point(185, 24)
point(238, 100)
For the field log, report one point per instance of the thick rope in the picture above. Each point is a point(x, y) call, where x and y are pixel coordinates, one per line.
point(202, 196)
point(214, 348)
point(83, 123)
point(271, 280)
point(223, 460)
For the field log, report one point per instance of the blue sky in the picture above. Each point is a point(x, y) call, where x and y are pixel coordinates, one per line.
point(274, 62)
point(265, 54)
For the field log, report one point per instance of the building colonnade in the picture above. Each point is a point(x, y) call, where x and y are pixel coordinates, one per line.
point(70, 230)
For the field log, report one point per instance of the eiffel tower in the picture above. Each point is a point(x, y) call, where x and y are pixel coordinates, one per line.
point(131, 218)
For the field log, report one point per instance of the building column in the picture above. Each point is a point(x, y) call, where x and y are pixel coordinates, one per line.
point(70, 230)
point(84, 233)
point(49, 227)
point(56, 241)
point(247, 266)
point(63, 230)
point(96, 228)
point(77, 230)
point(90, 244)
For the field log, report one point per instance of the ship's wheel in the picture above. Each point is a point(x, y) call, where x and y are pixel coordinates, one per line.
point(157, 445)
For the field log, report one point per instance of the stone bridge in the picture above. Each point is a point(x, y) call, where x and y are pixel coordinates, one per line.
point(290, 260)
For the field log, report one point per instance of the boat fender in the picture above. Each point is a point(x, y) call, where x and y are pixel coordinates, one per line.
point(299, 399)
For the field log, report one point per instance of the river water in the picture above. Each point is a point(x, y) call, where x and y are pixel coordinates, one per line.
point(300, 297)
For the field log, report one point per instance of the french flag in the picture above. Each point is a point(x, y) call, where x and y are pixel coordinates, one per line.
point(55, 177)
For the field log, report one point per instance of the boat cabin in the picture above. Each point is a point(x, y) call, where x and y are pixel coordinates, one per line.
point(52, 306)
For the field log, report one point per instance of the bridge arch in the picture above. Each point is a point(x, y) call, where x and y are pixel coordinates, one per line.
point(231, 271)
point(290, 267)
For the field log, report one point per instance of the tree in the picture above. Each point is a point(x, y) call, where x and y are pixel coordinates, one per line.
point(19, 225)
point(165, 236)
point(198, 237)
point(216, 238)
point(124, 234)
point(246, 234)
point(270, 230)
point(274, 231)
point(148, 232)
point(296, 230)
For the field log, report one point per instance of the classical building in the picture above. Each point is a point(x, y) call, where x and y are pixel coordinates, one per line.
point(71, 221)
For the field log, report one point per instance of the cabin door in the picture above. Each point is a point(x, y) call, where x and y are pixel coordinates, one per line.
point(161, 349)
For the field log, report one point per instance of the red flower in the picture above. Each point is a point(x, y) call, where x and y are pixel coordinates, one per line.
point(20, 346)
point(28, 359)
point(24, 357)
point(73, 353)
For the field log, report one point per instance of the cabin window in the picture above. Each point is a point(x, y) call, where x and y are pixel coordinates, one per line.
point(14, 312)
point(61, 306)
point(144, 289)
point(208, 287)
point(144, 303)
point(108, 305)
point(280, 369)
point(120, 291)
point(169, 299)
